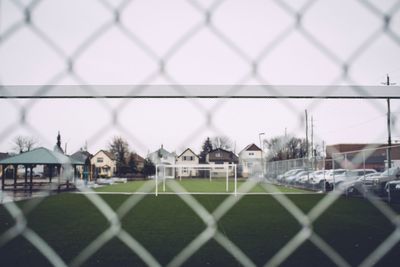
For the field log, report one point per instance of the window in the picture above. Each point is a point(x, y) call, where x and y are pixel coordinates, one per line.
point(251, 153)
point(100, 160)
point(218, 155)
point(191, 157)
point(184, 158)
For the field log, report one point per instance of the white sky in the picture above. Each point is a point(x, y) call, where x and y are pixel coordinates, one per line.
point(342, 26)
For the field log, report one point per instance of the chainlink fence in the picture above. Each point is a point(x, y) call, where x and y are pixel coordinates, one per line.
point(164, 50)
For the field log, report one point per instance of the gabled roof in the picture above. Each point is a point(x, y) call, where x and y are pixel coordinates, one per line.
point(40, 155)
point(221, 149)
point(251, 147)
point(3, 155)
point(108, 154)
point(187, 150)
point(163, 152)
point(81, 156)
point(137, 157)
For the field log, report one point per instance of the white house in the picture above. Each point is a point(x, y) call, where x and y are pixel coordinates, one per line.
point(105, 164)
point(250, 160)
point(187, 158)
point(162, 156)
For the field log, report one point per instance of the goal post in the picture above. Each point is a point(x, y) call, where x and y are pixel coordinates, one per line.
point(200, 171)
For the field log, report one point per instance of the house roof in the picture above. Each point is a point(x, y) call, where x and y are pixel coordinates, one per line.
point(81, 156)
point(187, 150)
point(40, 155)
point(251, 147)
point(163, 152)
point(107, 153)
point(3, 155)
point(233, 156)
point(137, 157)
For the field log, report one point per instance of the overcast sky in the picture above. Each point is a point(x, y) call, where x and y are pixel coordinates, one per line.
point(242, 33)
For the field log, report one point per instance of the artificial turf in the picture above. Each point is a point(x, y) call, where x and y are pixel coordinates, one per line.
point(194, 185)
point(164, 225)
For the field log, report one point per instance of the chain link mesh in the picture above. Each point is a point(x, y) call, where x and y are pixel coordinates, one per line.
point(23, 17)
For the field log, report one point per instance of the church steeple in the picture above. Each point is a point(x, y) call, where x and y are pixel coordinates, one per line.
point(59, 140)
point(57, 147)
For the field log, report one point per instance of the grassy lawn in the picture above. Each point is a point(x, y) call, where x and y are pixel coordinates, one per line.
point(192, 185)
point(164, 225)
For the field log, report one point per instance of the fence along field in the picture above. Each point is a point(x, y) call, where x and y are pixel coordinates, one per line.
point(182, 229)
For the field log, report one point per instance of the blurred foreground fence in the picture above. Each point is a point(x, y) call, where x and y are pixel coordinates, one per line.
point(33, 52)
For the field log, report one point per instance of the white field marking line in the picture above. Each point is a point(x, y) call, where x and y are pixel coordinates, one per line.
point(198, 193)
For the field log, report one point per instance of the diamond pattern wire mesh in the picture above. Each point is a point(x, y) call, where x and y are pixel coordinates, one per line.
point(205, 19)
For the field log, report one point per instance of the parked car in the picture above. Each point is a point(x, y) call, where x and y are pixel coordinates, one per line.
point(328, 177)
point(293, 178)
point(392, 189)
point(352, 175)
point(282, 177)
point(377, 183)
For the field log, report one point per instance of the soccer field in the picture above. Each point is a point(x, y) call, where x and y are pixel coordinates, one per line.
point(165, 225)
point(196, 186)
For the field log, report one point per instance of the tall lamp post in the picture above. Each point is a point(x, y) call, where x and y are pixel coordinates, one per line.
point(261, 155)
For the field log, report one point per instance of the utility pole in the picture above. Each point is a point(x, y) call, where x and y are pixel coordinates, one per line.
point(312, 143)
point(312, 137)
point(306, 133)
point(389, 150)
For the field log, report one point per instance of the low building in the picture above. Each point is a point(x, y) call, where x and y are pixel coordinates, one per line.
point(221, 158)
point(187, 158)
point(250, 160)
point(105, 164)
point(370, 156)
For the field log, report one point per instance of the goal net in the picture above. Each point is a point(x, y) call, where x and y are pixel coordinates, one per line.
point(196, 178)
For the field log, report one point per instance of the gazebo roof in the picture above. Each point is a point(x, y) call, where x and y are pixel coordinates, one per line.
point(40, 155)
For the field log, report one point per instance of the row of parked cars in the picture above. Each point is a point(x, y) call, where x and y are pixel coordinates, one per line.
point(352, 181)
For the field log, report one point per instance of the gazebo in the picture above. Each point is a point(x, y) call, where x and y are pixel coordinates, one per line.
point(56, 163)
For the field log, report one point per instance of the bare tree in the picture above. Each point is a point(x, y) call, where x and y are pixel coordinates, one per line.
point(222, 142)
point(24, 143)
point(285, 147)
point(119, 147)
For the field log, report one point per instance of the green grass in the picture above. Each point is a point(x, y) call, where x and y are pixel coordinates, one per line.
point(192, 185)
point(165, 225)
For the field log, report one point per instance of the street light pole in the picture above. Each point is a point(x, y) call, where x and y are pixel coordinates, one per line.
point(261, 155)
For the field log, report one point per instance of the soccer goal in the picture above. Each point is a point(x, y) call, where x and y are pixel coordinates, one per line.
point(198, 178)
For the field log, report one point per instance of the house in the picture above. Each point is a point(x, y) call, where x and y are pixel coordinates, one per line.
point(187, 158)
point(139, 161)
point(250, 160)
point(162, 156)
point(85, 158)
point(105, 164)
point(221, 158)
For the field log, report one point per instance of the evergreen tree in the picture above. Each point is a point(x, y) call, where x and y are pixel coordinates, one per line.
point(148, 168)
point(205, 149)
